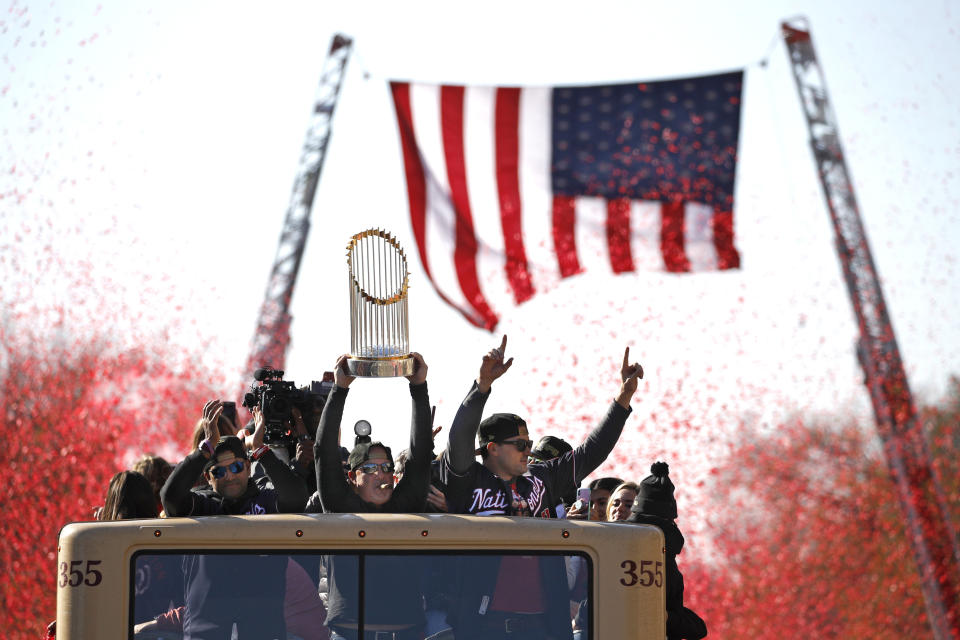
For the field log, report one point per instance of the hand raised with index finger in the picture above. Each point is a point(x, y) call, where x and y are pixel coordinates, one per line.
point(493, 366)
point(628, 371)
point(629, 374)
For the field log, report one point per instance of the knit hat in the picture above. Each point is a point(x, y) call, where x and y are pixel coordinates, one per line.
point(227, 444)
point(656, 493)
point(498, 428)
point(550, 447)
point(361, 453)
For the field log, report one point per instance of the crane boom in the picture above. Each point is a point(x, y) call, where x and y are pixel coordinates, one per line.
point(272, 335)
point(929, 529)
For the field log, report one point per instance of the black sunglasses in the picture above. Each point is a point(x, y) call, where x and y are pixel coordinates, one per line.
point(371, 467)
point(521, 445)
point(220, 472)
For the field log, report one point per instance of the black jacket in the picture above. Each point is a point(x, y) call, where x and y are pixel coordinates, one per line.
point(393, 594)
point(474, 489)
point(280, 492)
point(682, 623)
point(410, 494)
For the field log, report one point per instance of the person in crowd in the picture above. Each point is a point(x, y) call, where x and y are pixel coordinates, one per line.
point(655, 505)
point(158, 583)
point(225, 464)
point(303, 611)
point(549, 448)
point(393, 603)
point(129, 495)
point(298, 452)
point(520, 596)
point(156, 470)
point(499, 484)
point(600, 490)
point(621, 501)
point(218, 591)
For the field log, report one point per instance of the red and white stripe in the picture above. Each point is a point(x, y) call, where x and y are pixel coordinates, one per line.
point(489, 232)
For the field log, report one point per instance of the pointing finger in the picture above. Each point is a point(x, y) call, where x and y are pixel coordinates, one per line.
point(503, 344)
point(626, 358)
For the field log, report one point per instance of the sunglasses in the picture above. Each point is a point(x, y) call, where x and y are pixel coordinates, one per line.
point(219, 473)
point(372, 467)
point(521, 445)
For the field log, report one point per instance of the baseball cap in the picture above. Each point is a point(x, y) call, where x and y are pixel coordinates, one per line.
point(550, 447)
point(361, 453)
point(498, 428)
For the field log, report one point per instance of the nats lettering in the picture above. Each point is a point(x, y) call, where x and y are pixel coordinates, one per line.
point(488, 501)
point(493, 501)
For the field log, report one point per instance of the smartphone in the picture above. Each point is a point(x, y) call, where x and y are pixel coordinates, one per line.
point(583, 497)
point(230, 413)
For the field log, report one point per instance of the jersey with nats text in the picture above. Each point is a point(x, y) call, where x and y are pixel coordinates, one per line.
point(478, 491)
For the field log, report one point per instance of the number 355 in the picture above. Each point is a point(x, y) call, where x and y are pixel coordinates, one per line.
point(651, 573)
point(74, 577)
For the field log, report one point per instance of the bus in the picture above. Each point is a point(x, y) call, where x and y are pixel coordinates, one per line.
point(113, 577)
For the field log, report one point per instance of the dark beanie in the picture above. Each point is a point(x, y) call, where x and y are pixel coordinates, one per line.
point(656, 493)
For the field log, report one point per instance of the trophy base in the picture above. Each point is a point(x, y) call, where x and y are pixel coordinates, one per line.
point(380, 368)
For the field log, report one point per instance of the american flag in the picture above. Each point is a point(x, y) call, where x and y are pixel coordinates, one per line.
point(512, 189)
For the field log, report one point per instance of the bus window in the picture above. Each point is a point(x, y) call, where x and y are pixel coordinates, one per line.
point(299, 577)
point(279, 594)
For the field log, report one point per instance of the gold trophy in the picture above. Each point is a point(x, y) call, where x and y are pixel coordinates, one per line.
point(379, 329)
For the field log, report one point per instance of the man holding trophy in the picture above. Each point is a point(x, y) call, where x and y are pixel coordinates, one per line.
point(379, 349)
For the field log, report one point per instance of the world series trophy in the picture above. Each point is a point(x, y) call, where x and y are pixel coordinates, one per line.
point(379, 328)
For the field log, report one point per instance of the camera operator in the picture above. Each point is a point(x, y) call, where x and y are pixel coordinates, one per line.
point(392, 609)
point(297, 452)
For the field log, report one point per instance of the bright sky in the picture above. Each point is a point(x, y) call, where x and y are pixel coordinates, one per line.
point(162, 139)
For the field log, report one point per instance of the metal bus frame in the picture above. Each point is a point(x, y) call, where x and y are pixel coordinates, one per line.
point(95, 559)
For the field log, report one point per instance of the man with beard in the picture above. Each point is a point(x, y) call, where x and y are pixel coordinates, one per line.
point(221, 593)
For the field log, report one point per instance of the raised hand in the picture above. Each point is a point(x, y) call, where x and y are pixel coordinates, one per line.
point(493, 366)
point(341, 374)
point(304, 449)
point(210, 418)
point(419, 375)
point(260, 429)
point(629, 375)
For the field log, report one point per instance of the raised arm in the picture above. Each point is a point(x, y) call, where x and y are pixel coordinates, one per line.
point(463, 432)
point(331, 481)
point(291, 489)
point(176, 495)
point(410, 494)
point(573, 467)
